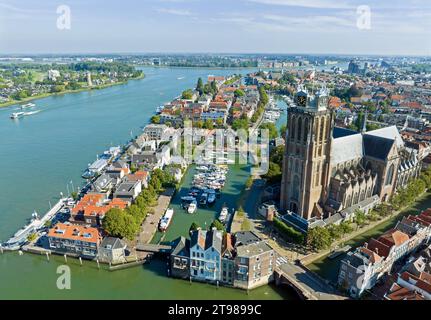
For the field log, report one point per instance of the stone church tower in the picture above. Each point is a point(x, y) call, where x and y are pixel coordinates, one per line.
point(306, 162)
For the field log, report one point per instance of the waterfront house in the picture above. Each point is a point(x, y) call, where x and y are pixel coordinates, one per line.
point(141, 175)
point(91, 209)
point(180, 258)
point(241, 260)
point(205, 255)
point(227, 262)
point(361, 269)
point(112, 250)
point(128, 190)
point(155, 131)
point(74, 240)
point(254, 265)
point(104, 184)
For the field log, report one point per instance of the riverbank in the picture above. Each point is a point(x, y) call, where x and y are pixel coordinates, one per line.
point(70, 131)
point(54, 94)
point(328, 268)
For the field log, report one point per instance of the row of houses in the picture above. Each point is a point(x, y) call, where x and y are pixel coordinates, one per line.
point(117, 186)
point(240, 260)
point(216, 108)
point(364, 267)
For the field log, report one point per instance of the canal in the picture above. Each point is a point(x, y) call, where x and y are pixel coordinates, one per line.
point(328, 268)
point(45, 154)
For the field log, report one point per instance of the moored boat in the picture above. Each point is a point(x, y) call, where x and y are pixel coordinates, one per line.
point(192, 207)
point(223, 214)
point(165, 221)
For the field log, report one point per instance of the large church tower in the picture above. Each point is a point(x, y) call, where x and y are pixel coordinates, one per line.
point(308, 147)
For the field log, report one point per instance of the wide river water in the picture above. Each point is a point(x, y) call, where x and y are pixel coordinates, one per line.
point(45, 154)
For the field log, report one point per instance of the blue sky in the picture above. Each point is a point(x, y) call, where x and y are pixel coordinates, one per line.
point(398, 27)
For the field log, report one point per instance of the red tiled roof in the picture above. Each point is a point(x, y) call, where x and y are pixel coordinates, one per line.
point(73, 232)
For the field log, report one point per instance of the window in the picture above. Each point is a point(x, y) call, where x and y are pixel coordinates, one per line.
point(389, 175)
point(293, 129)
point(295, 188)
point(306, 130)
point(299, 129)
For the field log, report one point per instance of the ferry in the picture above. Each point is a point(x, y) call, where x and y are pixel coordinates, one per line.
point(17, 115)
point(166, 220)
point(28, 105)
point(223, 214)
point(192, 207)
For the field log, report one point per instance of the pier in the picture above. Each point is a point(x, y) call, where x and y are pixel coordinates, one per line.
point(20, 237)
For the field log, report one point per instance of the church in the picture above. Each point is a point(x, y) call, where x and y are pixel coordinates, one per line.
point(329, 172)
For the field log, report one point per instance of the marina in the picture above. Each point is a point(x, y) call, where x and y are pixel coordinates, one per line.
point(91, 121)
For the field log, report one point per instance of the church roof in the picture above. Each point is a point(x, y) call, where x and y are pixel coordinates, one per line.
point(347, 148)
point(377, 147)
point(339, 132)
point(388, 133)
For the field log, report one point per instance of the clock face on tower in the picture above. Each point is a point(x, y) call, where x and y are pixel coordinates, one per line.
point(302, 101)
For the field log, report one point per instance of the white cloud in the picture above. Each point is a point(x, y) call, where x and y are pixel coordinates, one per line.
point(321, 4)
point(177, 12)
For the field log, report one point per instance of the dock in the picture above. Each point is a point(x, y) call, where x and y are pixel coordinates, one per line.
point(20, 237)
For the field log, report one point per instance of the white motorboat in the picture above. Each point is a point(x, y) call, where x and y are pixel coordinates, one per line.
point(223, 214)
point(17, 115)
point(192, 207)
point(165, 221)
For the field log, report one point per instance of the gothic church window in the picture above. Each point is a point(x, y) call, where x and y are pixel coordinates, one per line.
point(389, 175)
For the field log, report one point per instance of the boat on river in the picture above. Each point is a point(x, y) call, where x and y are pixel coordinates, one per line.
point(192, 207)
point(17, 115)
point(223, 214)
point(28, 105)
point(165, 221)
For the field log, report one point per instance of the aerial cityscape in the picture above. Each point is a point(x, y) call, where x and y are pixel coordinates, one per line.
point(251, 164)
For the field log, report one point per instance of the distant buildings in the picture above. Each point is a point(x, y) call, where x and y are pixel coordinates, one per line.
point(241, 260)
point(53, 75)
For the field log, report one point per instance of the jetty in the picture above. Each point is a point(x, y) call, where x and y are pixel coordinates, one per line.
point(20, 237)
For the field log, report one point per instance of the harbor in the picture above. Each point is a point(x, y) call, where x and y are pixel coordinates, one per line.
point(93, 121)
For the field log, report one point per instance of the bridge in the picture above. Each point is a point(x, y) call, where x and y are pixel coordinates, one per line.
point(154, 248)
point(305, 282)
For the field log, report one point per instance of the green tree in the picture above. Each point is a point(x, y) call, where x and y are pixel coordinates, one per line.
point(360, 218)
point(239, 93)
point(200, 86)
point(288, 232)
point(120, 224)
point(273, 132)
point(187, 94)
point(209, 124)
point(218, 225)
point(283, 130)
point(194, 227)
point(274, 173)
point(319, 238)
point(246, 225)
point(155, 119)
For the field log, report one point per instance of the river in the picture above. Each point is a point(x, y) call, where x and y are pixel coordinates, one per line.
point(45, 154)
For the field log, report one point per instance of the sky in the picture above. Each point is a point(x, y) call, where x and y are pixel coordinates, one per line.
point(380, 27)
